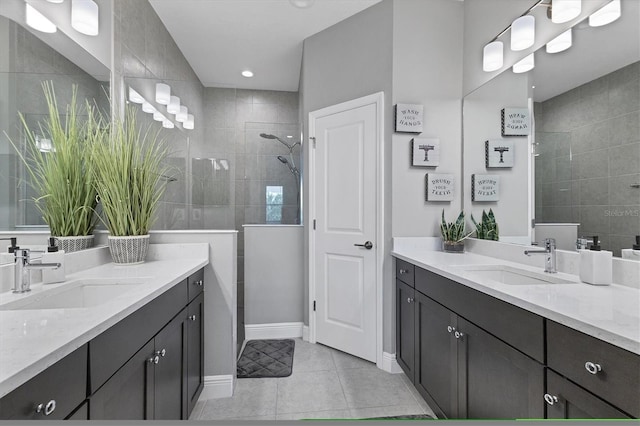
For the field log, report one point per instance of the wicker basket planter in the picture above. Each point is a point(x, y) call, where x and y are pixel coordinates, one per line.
point(77, 243)
point(131, 250)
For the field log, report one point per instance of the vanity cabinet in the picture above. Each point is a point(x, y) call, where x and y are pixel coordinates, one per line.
point(466, 362)
point(149, 365)
point(53, 394)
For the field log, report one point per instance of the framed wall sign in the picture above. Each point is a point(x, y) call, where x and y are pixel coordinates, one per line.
point(498, 153)
point(409, 118)
point(515, 122)
point(440, 187)
point(425, 152)
point(485, 188)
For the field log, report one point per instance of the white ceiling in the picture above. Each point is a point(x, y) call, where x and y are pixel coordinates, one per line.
point(220, 38)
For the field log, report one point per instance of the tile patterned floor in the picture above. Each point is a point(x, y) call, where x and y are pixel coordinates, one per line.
point(325, 384)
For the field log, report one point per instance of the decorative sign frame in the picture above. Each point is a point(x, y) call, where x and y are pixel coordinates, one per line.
point(516, 122)
point(409, 118)
point(439, 187)
point(425, 152)
point(498, 153)
point(485, 188)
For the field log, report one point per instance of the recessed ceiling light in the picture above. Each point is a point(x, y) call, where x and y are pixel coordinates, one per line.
point(247, 73)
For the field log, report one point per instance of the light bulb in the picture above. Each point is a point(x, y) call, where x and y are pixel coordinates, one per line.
point(606, 15)
point(174, 105)
point(135, 97)
point(189, 123)
point(38, 21)
point(163, 94)
point(524, 65)
point(147, 107)
point(182, 116)
point(492, 58)
point(560, 43)
point(523, 32)
point(565, 10)
point(85, 17)
point(158, 116)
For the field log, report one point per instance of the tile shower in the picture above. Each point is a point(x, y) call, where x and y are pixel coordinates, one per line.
point(588, 158)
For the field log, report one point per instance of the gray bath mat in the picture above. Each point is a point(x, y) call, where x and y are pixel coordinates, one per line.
point(406, 417)
point(266, 358)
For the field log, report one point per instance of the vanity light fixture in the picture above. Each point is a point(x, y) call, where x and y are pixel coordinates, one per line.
point(560, 43)
point(38, 21)
point(524, 65)
point(163, 93)
point(523, 32)
point(606, 15)
point(182, 116)
point(174, 105)
point(247, 73)
point(85, 17)
point(493, 56)
point(189, 123)
point(157, 115)
point(565, 10)
point(148, 108)
point(135, 97)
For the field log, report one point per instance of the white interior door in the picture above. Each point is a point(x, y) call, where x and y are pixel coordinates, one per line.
point(344, 258)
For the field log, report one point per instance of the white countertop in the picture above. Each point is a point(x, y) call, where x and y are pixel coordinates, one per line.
point(610, 313)
point(32, 340)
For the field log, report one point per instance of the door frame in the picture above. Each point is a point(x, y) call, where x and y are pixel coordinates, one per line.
point(378, 100)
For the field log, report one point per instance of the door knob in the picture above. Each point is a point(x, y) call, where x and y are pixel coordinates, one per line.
point(368, 245)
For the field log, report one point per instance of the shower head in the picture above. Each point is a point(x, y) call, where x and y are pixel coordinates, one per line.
point(274, 137)
point(283, 160)
point(266, 136)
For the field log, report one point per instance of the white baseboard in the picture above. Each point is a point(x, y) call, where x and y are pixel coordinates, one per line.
point(390, 364)
point(283, 330)
point(217, 387)
point(305, 333)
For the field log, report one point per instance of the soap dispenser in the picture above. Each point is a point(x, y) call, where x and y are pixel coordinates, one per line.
point(632, 253)
point(596, 265)
point(53, 255)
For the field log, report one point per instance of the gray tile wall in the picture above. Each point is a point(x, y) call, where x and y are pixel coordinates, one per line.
point(589, 156)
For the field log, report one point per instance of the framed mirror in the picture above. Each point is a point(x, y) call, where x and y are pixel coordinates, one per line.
point(577, 172)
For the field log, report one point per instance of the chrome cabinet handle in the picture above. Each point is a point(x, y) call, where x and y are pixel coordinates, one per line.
point(403, 271)
point(592, 367)
point(198, 283)
point(450, 329)
point(550, 399)
point(458, 335)
point(410, 299)
point(162, 353)
point(368, 245)
point(154, 359)
point(192, 317)
point(47, 409)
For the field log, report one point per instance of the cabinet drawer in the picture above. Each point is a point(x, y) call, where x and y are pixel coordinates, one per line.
point(60, 389)
point(196, 284)
point(111, 349)
point(618, 379)
point(521, 329)
point(405, 272)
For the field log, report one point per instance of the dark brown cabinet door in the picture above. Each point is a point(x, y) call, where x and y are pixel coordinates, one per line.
point(566, 400)
point(435, 356)
point(195, 352)
point(168, 371)
point(128, 394)
point(496, 381)
point(405, 328)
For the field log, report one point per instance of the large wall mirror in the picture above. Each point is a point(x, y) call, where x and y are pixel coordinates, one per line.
point(29, 57)
point(577, 173)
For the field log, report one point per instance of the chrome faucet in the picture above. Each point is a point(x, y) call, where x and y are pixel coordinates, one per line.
point(550, 255)
point(23, 266)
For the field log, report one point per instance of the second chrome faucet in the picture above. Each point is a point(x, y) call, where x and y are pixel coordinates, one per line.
point(550, 255)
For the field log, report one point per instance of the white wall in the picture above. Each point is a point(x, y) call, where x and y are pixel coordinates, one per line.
point(273, 274)
point(482, 121)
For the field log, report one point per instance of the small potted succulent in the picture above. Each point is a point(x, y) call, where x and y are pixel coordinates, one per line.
point(453, 234)
point(56, 158)
point(487, 229)
point(130, 177)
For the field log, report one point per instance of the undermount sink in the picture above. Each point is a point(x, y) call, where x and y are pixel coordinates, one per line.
point(513, 276)
point(79, 294)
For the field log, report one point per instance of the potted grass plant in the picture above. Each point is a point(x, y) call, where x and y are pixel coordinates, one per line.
point(56, 157)
point(487, 229)
point(129, 174)
point(453, 234)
